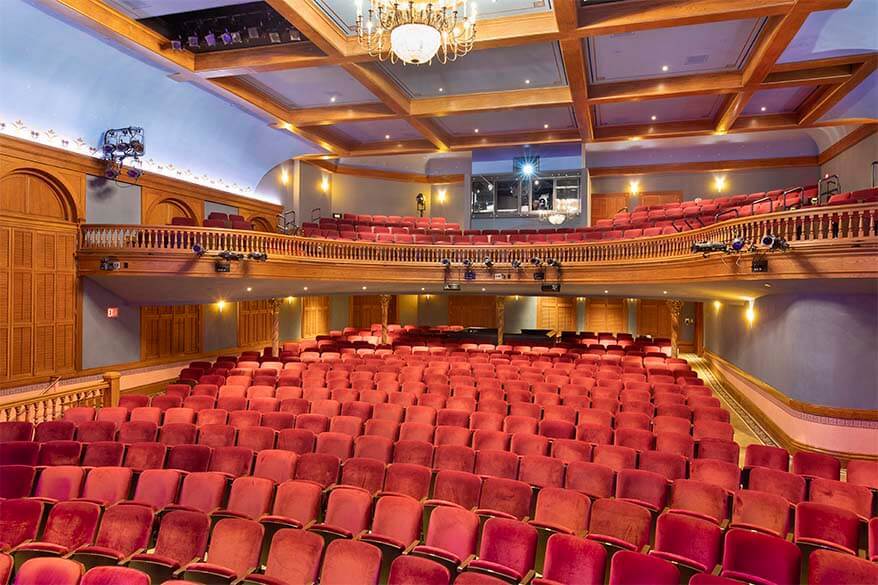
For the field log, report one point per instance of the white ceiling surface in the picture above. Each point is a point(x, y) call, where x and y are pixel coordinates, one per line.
point(313, 86)
point(499, 69)
point(833, 33)
point(147, 8)
point(782, 100)
point(379, 130)
point(685, 50)
point(862, 102)
point(498, 122)
point(344, 12)
point(701, 107)
point(143, 290)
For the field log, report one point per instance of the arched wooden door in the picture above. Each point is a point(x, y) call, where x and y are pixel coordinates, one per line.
point(163, 211)
point(37, 276)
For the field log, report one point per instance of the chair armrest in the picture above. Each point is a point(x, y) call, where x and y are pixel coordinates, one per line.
point(529, 577)
point(717, 570)
point(411, 547)
point(466, 563)
point(645, 549)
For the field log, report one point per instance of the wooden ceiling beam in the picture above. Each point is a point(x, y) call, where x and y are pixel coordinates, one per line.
point(514, 139)
point(820, 76)
point(575, 65)
point(538, 97)
point(268, 58)
point(684, 85)
point(850, 140)
point(326, 116)
point(637, 132)
point(732, 108)
point(389, 147)
point(312, 22)
point(811, 112)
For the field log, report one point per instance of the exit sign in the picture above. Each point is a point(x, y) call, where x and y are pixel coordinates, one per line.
point(112, 312)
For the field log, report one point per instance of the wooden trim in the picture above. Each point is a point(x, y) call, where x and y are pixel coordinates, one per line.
point(792, 403)
point(35, 153)
point(326, 116)
point(699, 328)
point(847, 142)
point(383, 174)
point(491, 101)
point(767, 423)
point(835, 94)
point(705, 167)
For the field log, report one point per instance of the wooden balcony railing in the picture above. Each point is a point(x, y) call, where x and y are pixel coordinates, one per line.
point(842, 224)
point(40, 406)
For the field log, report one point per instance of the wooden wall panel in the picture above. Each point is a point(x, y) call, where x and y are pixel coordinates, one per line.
point(610, 315)
point(653, 318)
point(605, 206)
point(315, 316)
point(255, 323)
point(660, 197)
point(366, 310)
point(37, 277)
point(168, 331)
point(472, 310)
point(558, 313)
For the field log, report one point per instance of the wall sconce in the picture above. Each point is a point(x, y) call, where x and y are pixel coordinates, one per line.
point(719, 183)
point(633, 187)
point(716, 306)
point(750, 314)
point(284, 177)
point(290, 300)
point(220, 305)
point(580, 299)
point(442, 195)
point(324, 184)
point(688, 321)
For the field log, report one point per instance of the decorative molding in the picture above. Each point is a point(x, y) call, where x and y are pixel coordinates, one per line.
point(334, 167)
point(849, 141)
point(705, 166)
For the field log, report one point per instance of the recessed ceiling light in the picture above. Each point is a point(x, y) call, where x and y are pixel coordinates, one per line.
point(304, 288)
point(249, 288)
point(762, 109)
point(545, 125)
point(767, 285)
point(441, 89)
point(483, 290)
point(664, 292)
point(527, 81)
point(332, 99)
point(664, 68)
point(364, 288)
point(422, 288)
point(606, 292)
point(653, 118)
point(476, 130)
point(387, 137)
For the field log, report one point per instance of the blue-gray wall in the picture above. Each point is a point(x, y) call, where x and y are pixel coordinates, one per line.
point(339, 311)
point(210, 207)
point(108, 341)
point(291, 319)
point(220, 327)
point(814, 348)
point(111, 202)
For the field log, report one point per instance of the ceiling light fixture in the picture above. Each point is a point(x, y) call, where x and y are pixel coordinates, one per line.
point(416, 33)
point(546, 126)
point(762, 109)
point(527, 81)
point(653, 118)
point(332, 99)
point(476, 130)
point(665, 68)
point(387, 137)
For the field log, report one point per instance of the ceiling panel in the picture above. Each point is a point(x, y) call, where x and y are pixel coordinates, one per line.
point(344, 12)
point(313, 86)
point(379, 130)
point(664, 110)
point(504, 121)
point(776, 101)
point(834, 33)
point(683, 50)
point(523, 66)
point(149, 8)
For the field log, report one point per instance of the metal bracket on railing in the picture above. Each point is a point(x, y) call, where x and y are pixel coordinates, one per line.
point(726, 211)
point(621, 209)
point(689, 225)
point(833, 187)
point(874, 173)
point(762, 200)
point(800, 190)
point(315, 216)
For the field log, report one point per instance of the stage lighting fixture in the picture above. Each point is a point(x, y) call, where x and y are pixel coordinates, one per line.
point(420, 203)
point(176, 45)
point(111, 172)
point(516, 264)
point(467, 263)
point(708, 247)
point(539, 275)
point(469, 274)
point(295, 35)
point(222, 266)
point(134, 173)
point(226, 38)
point(553, 263)
point(445, 262)
point(488, 262)
point(536, 261)
point(236, 38)
point(738, 244)
point(192, 41)
point(258, 256)
point(210, 39)
point(527, 169)
point(774, 243)
point(198, 250)
point(226, 255)
point(274, 37)
point(252, 33)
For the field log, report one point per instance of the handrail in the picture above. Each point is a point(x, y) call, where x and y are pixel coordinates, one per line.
point(801, 191)
point(834, 187)
point(38, 406)
point(800, 225)
point(874, 174)
point(726, 212)
point(762, 200)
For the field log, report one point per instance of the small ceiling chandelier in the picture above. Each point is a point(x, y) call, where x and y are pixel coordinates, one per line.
point(416, 32)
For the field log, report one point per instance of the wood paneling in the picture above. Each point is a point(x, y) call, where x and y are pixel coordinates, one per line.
point(558, 313)
point(472, 310)
point(605, 206)
point(315, 316)
point(167, 331)
point(37, 277)
point(606, 315)
point(158, 207)
point(660, 197)
point(255, 322)
point(365, 311)
point(653, 318)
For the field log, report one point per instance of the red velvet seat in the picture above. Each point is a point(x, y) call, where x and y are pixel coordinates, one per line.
point(826, 526)
point(348, 561)
point(234, 551)
point(754, 557)
point(619, 524)
point(634, 568)
point(688, 541)
point(592, 479)
point(125, 530)
point(572, 560)
point(827, 567)
point(294, 559)
point(16, 481)
point(19, 521)
point(40, 571)
point(408, 479)
point(202, 491)
point(508, 549)
point(505, 498)
point(69, 526)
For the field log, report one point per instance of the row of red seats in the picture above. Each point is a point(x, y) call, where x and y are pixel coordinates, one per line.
point(624, 522)
point(216, 220)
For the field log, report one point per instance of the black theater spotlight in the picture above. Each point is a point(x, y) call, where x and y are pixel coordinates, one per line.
point(738, 244)
point(775, 243)
point(258, 256)
point(467, 263)
point(198, 250)
point(516, 264)
point(536, 261)
point(553, 263)
point(488, 262)
point(445, 262)
point(228, 256)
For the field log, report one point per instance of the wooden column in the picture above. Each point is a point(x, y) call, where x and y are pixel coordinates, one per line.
point(500, 308)
point(275, 328)
point(699, 328)
point(675, 306)
point(385, 308)
point(113, 381)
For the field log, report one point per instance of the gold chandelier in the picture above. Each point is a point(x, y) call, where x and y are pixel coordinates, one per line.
point(416, 32)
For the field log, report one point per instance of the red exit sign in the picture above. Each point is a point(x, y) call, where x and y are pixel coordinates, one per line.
point(112, 312)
